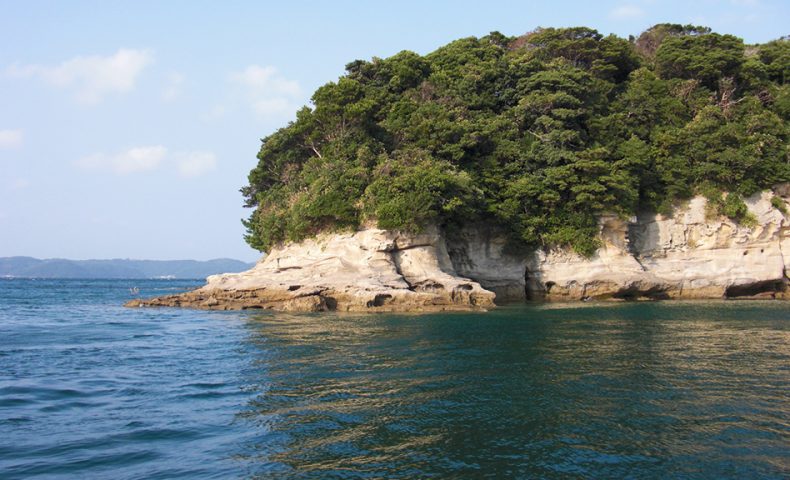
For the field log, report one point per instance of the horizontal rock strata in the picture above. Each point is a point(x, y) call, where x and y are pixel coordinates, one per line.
point(688, 255)
point(684, 256)
point(369, 270)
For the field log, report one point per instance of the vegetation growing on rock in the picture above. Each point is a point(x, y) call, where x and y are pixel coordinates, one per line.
point(538, 134)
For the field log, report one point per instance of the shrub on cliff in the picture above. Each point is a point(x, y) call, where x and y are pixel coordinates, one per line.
point(539, 134)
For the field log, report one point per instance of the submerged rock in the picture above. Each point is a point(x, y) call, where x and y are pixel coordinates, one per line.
point(686, 255)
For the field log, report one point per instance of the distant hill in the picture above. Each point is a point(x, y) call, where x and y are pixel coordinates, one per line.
point(28, 267)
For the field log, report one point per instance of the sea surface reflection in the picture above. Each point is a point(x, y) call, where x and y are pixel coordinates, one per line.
point(635, 390)
point(632, 390)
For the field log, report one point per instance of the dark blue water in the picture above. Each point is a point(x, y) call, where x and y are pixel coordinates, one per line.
point(89, 389)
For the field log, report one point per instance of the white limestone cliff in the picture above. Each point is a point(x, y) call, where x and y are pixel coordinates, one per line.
point(368, 270)
point(685, 255)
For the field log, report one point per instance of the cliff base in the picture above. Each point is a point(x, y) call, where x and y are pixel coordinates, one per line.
point(689, 255)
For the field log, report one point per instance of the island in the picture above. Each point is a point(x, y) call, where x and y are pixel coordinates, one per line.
point(562, 164)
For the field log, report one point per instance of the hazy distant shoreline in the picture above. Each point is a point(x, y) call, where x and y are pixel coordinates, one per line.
point(29, 267)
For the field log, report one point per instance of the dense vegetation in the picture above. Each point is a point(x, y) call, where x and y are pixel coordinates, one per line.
point(538, 134)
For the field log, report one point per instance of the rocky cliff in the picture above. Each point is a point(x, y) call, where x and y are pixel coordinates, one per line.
point(369, 270)
point(686, 255)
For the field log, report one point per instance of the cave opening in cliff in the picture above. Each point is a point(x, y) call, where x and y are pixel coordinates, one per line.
point(531, 288)
point(527, 295)
point(768, 288)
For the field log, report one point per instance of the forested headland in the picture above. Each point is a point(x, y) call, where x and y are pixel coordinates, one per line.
point(537, 134)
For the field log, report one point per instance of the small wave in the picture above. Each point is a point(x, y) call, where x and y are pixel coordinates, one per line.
point(62, 406)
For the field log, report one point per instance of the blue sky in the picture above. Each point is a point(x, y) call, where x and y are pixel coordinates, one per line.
point(127, 128)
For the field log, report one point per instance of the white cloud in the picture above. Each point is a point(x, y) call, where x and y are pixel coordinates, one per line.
point(149, 158)
point(272, 106)
point(625, 12)
point(20, 184)
point(11, 138)
point(172, 90)
point(266, 81)
point(92, 77)
point(192, 164)
point(267, 91)
point(133, 160)
point(216, 112)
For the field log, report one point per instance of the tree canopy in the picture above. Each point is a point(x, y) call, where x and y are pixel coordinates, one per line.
point(538, 134)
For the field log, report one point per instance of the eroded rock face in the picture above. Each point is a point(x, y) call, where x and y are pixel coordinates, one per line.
point(369, 270)
point(686, 255)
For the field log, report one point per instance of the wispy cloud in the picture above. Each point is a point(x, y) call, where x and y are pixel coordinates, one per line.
point(20, 184)
point(192, 164)
point(11, 138)
point(133, 160)
point(273, 106)
point(268, 92)
point(91, 77)
point(149, 158)
point(172, 90)
point(266, 80)
point(626, 12)
point(215, 113)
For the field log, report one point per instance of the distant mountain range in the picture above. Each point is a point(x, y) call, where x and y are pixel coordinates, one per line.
point(29, 267)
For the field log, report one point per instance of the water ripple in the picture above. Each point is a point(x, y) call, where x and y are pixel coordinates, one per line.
point(652, 390)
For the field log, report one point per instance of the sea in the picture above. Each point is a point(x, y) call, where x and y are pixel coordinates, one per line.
point(644, 390)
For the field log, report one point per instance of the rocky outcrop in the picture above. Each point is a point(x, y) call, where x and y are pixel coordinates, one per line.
point(686, 255)
point(369, 270)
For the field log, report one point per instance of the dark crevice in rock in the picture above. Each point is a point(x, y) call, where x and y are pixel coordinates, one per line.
point(396, 248)
point(636, 239)
point(380, 300)
point(533, 288)
point(768, 288)
point(330, 302)
point(527, 292)
point(427, 286)
point(636, 293)
point(460, 258)
point(282, 269)
point(416, 245)
point(396, 262)
point(463, 293)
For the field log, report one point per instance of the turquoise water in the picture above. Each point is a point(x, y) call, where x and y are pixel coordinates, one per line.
point(89, 389)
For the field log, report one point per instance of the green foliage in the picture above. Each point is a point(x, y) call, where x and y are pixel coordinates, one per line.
point(648, 42)
point(779, 204)
point(608, 57)
point(412, 189)
point(735, 209)
point(744, 153)
point(730, 205)
point(539, 134)
point(776, 57)
point(780, 101)
point(706, 58)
